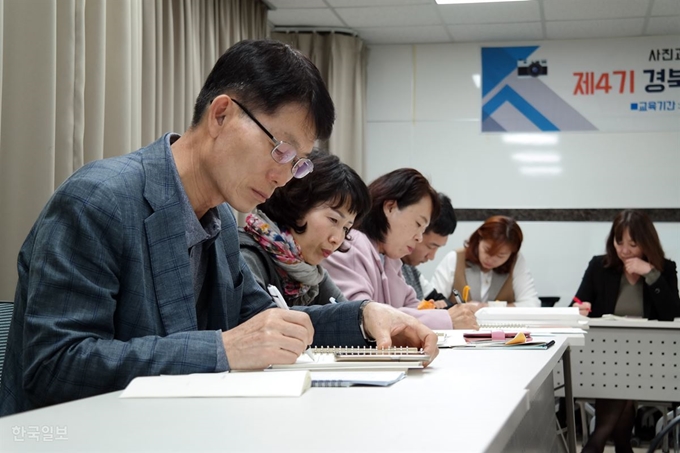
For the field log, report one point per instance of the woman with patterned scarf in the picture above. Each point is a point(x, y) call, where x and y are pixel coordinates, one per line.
point(287, 236)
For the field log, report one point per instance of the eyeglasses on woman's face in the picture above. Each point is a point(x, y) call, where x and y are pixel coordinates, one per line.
point(283, 152)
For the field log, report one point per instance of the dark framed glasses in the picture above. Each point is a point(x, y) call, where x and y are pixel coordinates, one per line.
point(283, 152)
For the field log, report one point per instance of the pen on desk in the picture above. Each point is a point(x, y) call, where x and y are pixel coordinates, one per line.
point(281, 303)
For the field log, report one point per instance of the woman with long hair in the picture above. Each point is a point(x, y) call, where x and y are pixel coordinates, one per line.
point(633, 278)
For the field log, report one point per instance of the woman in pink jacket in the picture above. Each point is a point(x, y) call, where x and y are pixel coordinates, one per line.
point(402, 205)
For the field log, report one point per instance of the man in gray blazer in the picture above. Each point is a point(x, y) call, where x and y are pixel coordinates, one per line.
point(133, 267)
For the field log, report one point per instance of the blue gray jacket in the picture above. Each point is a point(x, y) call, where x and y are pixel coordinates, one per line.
point(105, 289)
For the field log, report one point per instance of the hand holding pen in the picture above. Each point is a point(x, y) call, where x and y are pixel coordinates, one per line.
point(583, 307)
point(281, 303)
point(271, 337)
point(455, 298)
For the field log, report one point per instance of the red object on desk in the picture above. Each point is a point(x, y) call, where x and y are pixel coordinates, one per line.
point(499, 335)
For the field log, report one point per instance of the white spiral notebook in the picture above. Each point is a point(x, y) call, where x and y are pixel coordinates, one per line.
point(382, 378)
point(396, 358)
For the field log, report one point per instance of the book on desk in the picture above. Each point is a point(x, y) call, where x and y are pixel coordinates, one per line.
point(244, 384)
point(507, 339)
point(504, 340)
point(324, 367)
point(501, 344)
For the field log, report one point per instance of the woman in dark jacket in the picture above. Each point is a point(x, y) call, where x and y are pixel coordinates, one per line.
point(632, 279)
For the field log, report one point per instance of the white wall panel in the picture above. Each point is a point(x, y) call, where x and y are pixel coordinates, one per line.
point(390, 86)
point(395, 136)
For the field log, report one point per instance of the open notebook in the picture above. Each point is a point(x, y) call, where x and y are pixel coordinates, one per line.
point(396, 358)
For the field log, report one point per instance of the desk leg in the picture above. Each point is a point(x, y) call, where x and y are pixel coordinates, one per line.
point(569, 398)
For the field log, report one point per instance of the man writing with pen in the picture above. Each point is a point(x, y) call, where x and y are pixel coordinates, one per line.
point(436, 236)
point(133, 267)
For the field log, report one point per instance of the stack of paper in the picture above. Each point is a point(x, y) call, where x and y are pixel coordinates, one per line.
point(283, 383)
point(528, 317)
point(514, 340)
point(205, 385)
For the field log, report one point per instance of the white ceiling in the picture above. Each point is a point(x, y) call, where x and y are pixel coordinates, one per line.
point(423, 21)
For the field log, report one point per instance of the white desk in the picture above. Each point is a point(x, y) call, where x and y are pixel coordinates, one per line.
point(637, 360)
point(468, 401)
point(626, 359)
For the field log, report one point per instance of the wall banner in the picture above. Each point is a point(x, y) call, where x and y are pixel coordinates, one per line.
point(618, 85)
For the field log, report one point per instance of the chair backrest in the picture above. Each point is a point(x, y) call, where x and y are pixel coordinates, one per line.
point(6, 309)
point(675, 423)
point(549, 301)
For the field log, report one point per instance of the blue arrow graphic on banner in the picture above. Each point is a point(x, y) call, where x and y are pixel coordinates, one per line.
point(498, 62)
point(507, 94)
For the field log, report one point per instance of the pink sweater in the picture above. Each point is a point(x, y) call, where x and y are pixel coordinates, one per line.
point(361, 275)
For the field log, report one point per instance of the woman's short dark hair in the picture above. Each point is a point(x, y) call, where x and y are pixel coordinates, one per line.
point(407, 187)
point(499, 230)
point(332, 182)
point(265, 75)
point(641, 231)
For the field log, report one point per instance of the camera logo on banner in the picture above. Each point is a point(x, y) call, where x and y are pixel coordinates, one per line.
point(535, 68)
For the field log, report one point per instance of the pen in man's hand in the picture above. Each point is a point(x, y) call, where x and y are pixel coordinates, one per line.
point(281, 303)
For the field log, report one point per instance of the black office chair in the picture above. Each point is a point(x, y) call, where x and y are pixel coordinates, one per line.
point(6, 309)
point(673, 424)
point(548, 301)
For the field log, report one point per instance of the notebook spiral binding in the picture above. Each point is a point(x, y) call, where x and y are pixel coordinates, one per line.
point(367, 350)
point(503, 325)
point(330, 383)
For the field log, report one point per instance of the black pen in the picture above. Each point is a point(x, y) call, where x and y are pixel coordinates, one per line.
point(456, 295)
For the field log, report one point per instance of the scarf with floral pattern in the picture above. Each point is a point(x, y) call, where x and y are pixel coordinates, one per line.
point(301, 280)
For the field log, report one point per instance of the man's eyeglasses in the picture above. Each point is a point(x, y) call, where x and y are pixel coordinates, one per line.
point(283, 152)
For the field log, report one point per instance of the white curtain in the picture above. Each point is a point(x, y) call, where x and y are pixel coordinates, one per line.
point(342, 61)
point(86, 79)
